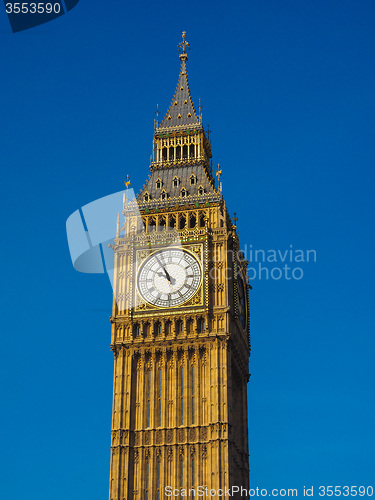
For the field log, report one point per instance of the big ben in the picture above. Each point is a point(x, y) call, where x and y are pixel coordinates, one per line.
point(180, 323)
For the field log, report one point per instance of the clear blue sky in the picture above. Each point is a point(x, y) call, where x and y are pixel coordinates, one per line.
point(287, 88)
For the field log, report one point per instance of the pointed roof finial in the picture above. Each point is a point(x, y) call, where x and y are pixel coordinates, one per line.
point(218, 173)
point(181, 112)
point(208, 131)
point(127, 182)
point(182, 46)
point(157, 116)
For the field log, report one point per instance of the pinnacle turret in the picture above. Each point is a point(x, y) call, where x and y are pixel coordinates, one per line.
point(181, 111)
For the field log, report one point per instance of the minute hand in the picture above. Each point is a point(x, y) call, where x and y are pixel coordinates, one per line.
point(171, 280)
point(166, 272)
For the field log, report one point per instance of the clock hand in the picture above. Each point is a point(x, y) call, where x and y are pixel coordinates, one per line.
point(167, 275)
point(165, 271)
point(171, 280)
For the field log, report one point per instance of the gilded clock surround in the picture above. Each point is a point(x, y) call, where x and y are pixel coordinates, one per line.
point(180, 375)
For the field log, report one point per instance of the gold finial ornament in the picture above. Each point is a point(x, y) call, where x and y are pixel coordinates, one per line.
point(127, 182)
point(183, 46)
point(218, 173)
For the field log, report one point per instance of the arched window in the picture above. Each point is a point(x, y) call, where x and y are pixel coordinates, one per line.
point(148, 392)
point(201, 325)
point(146, 197)
point(178, 153)
point(158, 480)
point(137, 330)
point(158, 184)
point(180, 326)
point(182, 222)
point(165, 154)
point(160, 387)
point(163, 195)
point(192, 152)
point(192, 221)
point(185, 151)
point(201, 190)
point(193, 180)
point(181, 395)
point(175, 181)
point(183, 193)
point(147, 479)
point(193, 395)
point(181, 471)
point(202, 221)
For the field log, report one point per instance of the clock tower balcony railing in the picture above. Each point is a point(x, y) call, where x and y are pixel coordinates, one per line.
point(180, 162)
point(195, 200)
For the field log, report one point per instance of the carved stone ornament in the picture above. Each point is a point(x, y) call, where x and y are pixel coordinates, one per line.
point(159, 437)
point(181, 434)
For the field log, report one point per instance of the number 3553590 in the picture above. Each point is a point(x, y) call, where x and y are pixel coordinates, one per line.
point(346, 491)
point(32, 8)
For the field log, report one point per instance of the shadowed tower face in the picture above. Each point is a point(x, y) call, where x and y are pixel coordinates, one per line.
point(180, 323)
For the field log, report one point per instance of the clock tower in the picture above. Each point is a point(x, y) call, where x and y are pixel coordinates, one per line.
point(180, 323)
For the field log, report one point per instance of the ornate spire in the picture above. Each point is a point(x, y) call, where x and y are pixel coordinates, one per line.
point(181, 47)
point(181, 111)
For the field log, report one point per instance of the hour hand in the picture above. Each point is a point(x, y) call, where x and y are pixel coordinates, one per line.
point(167, 275)
point(171, 280)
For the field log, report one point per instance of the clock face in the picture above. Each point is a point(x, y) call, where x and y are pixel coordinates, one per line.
point(169, 277)
point(242, 303)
